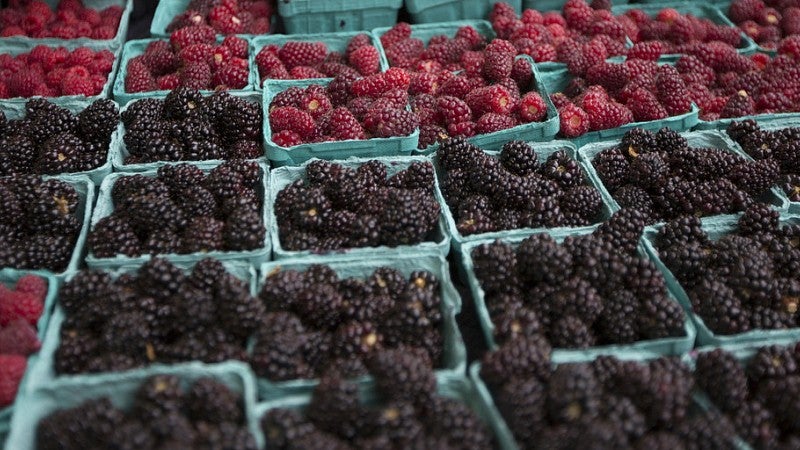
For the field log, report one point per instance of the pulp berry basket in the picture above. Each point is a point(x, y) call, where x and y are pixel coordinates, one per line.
point(454, 355)
point(701, 139)
point(438, 243)
point(8, 277)
point(119, 152)
point(314, 16)
point(543, 150)
point(136, 48)
point(121, 388)
point(105, 207)
point(336, 42)
point(169, 9)
point(773, 120)
point(664, 346)
point(716, 228)
point(298, 154)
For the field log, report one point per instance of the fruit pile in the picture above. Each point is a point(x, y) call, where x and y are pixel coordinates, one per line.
point(591, 290)
point(52, 140)
point(606, 403)
point(780, 145)
point(191, 58)
point(163, 414)
point(348, 108)
point(766, 22)
point(759, 397)
point(744, 280)
point(662, 176)
point(317, 322)
point(227, 17)
point(338, 207)
point(408, 413)
point(54, 72)
point(184, 210)
point(70, 20)
point(614, 94)
point(20, 310)
point(186, 126)
point(301, 59)
point(159, 314)
point(466, 49)
point(516, 190)
point(40, 224)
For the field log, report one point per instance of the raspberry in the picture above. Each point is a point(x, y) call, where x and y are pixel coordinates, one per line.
point(77, 85)
point(494, 99)
point(357, 42)
point(315, 102)
point(81, 56)
point(168, 82)
point(453, 110)
point(405, 53)
point(463, 129)
point(741, 10)
point(471, 35)
point(384, 123)
point(199, 34)
point(296, 53)
point(543, 53)
point(195, 75)
point(645, 106)
point(138, 78)
point(611, 76)
point(12, 368)
point(491, 122)
point(237, 46)
point(790, 46)
point(574, 121)
point(672, 92)
point(396, 34)
point(532, 108)
point(647, 50)
point(605, 114)
point(397, 78)
point(160, 62)
point(366, 60)
point(231, 76)
point(344, 125)
point(738, 105)
point(291, 118)
point(196, 53)
point(224, 21)
point(33, 285)
point(691, 64)
point(371, 86)
point(498, 60)
point(287, 138)
point(19, 338)
point(19, 305)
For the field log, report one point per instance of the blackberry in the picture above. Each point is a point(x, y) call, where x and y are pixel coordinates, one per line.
point(791, 187)
point(661, 317)
point(659, 440)
point(648, 171)
point(281, 288)
point(280, 357)
point(206, 274)
point(178, 177)
point(756, 424)
point(20, 155)
point(408, 217)
point(202, 234)
point(720, 308)
point(707, 432)
point(630, 196)
point(513, 323)
point(162, 149)
point(211, 401)
point(244, 229)
point(457, 153)
point(575, 297)
point(240, 314)
point(758, 218)
point(572, 333)
point(521, 401)
point(583, 201)
point(623, 230)
point(721, 376)
point(519, 158)
point(572, 394)
point(98, 121)
point(356, 339)
point(283, 427)
point(403, 375)
point(387, 281)
point(755, 177)
point(418, 175)
point(521, 357)
point(182, 103)
point(243, 121)
point(618, 321)
point(458, 423)
point(771, 362)
point(112, 235)
point(319, 305)
point(681, 230)
point(638, 142)
point(601, 434)
point(50, 121)
point(542, 260)
point(90, 423)
point(622, 411)
point(162, 242)
point(562, 169)
point(74, 352)
point(157, 397)
point(159, 279)
point(334, 407)
point(669, 140)
point(474, 215)
point(739, 130)
point(612, 167)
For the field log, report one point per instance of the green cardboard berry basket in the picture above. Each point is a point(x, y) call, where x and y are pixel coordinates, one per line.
point(169, 9)
point(284, 176)
point(16, 105)
point(336, 42)
point(543, 150)
point(780, 120)
point(454, 358)
point(716, 228)
point(105, 207)
point(97, 174)
point(428, 11)
point(712, 139)
point(8, 277)
point(664, 346)
point(119, 151)
point(457, 388)
point(135, 48)
point(121, 389)
point(298, 154)
point(314, 16)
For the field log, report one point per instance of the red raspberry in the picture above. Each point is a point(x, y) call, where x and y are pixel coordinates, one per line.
point(458, 86)
point(471, 35)
point(33, 285)
point(231, 76)
point(774, 102)
point(339, 89)
point(195, 75)
point(344, 126)
point(501, 9)
point(543, 53)
point(559, 99)
point(366, 60)
point(498, 60)
point(81, 56)
point(168, 82)
point(691, 64)
point(574, 121)
point(385, 123)
point(225, 21)
point(286, 138)
point(4, 93)
point(491, 122)
point(200, 34)
point(371, 86)
point(291, 118)
point(12, 368)
point(160, 62)
point(741, 10)
point(453, 110)
point(607, 115)
point(297, 53)
point(579, 18)
point(267, 62)
point(398, 98)
point(738, 105)
point(315, 102)
point(357, 42)
point(196, 53)
point(77, 85)
point(359, 106)
point(396, 34)
point(19, 305)
point(645, 106)
point(305, 72)
point(648, 50)
point(790, 46)
point(24, 83)
point(790, 23)
point(405, 53)
point(463, 129)
point(672, 92)
point(472, 62)
point(611, 76)
point(427, 116)
point(494, 99)
point(19, 338)
point(532, 108)
point(290, 97)
point(237, 46)
point(220, 56)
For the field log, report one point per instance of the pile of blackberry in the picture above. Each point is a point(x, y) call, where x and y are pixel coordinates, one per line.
point(163, 414)
point(780, 146)
point(51, 140)
point(761, 397)
point(337, 207)
point(183, 210)
point(659, 174)
point(604, 404)
point(407, 412)
point(39, 224)
point(590, 290)
point(186, 126)
point(516, 190)
point(160, 314)
point(316, 321)
point(745, 280)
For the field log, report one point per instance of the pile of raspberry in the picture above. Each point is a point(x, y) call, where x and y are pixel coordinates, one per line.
point(725, 84)
point(192, 59)
point(20, 309)
point(464, 50)
point(766, 22)
point(672, 32)
point(54, 71)
point(614, 94)
point(580, 36)
point(70, 20)
point(297, 60)
point(348, 108)
point(227, 16)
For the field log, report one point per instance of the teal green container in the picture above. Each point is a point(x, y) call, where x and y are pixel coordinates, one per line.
point(105, 207)
point(543, 150)
point(135, 48)
point(665, 346)
point(169, 9)
point(119, 151)
point(454, 358)
point(336, 42)
point(121, 388)
point(716, 228)
point(427, 11)
point(8, 277)
point(314, 16)
point(284, 176)
point(292, 156)
point(711, 139)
